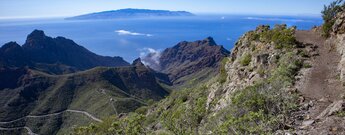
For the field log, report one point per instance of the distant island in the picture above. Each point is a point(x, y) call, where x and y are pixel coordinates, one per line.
point(130, 13)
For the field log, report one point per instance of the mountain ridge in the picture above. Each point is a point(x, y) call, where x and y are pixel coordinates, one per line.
point(130, 13)
point(41, 51)
point(188, 58)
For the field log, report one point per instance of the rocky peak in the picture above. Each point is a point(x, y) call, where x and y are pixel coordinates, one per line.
point(12, 54)
point(187, 58)
point(10, 46)
point(43, 49)
point(36, 34)
point(208, 41)
point(36, 39)
point(137, 62)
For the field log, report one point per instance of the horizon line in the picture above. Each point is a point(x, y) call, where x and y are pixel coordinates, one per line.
point(200, 13)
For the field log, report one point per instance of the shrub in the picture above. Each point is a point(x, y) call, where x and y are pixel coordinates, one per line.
point(246, 59)
point(262, 108)
point(281, 36)
point(328, 14)
point(185, 117)
point(306, 65)
point(340, 114)
point(223, 74)
point(132, 124)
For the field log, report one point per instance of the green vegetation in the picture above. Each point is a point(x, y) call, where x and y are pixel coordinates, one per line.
point(130, 125)
point(307, 65)
point(340, 114)
point(180, 113)
point(281, 36)
point(328, 14)
point(246, 59)
point(223, 74)
point(263, 107)
point(186, 111)
point(258, 109)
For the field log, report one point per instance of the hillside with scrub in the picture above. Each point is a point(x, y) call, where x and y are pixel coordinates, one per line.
point(278, 80)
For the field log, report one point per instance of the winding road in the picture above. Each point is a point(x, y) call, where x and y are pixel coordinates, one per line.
point(17, 128)
point(46, 115)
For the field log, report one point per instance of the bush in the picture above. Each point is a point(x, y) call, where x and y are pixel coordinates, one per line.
point(328, 14)
point(281, 36)
point(326, 28)
point(246, 59)
point(184, 117)
point(262, 108)
point(223, 74)
point(306, 65)
point(132, 124)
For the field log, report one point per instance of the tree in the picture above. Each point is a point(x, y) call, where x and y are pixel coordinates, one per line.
point(328, 14)
point(330, 11)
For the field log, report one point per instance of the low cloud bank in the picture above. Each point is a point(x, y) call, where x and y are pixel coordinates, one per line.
point(125, 32)
point(276, 19)
point(150, 57)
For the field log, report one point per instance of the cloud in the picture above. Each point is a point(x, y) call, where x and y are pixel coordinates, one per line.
point(125, 32)
point(276, 19)
point(150, 57)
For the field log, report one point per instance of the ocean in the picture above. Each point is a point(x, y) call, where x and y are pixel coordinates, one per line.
point(130, 38)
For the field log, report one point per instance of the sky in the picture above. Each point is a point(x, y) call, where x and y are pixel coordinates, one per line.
point(63, 8)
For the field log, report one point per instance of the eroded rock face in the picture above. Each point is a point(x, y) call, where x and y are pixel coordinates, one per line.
point(262, 57)
point(339, 25)
point(338, 38)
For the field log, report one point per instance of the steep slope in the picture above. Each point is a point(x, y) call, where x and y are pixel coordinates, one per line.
point(256, 94)
point(276, 81)
point(190, 60)
point(51, 104)
point(46, 53)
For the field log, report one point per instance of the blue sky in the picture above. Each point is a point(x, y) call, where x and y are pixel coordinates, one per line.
point(54, 8)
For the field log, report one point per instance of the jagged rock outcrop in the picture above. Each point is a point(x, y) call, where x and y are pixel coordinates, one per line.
point(338, 39)
point(250, 61)
point(53, 55)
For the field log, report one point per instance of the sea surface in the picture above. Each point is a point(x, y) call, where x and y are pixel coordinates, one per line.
point(130, 38)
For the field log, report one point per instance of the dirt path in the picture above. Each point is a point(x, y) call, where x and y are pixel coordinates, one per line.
point(322, 83)
point(323, 77)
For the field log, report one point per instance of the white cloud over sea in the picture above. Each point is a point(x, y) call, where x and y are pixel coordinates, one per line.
point(125, 32)
point(276, 19)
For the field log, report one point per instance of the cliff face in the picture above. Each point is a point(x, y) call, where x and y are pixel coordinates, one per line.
point(338, 37)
